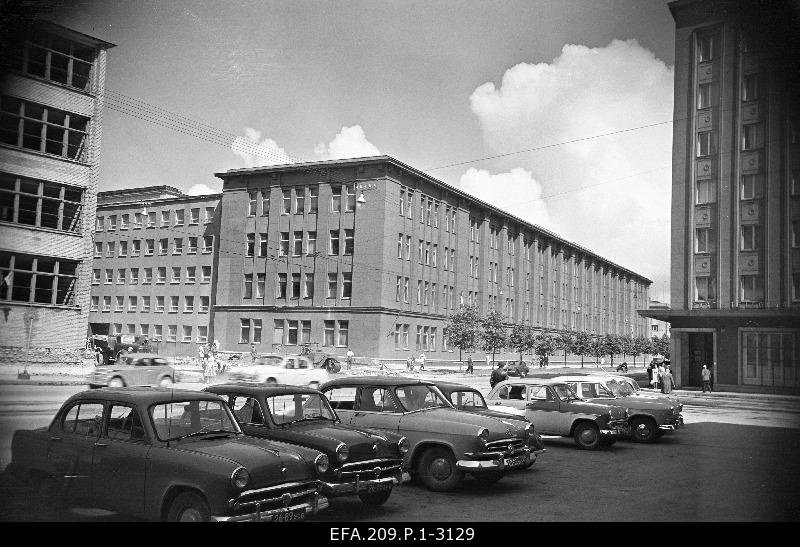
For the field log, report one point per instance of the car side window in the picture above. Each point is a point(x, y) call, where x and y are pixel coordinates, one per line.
point(247, 410)
point(302, 363)
point(70, 418)
point(503, 393)
point(376, 400)
point(88, 421)
point(587, 390)
point(538, 393)
point(290, 363)
point(124, 424)
point(342, 398)
point(517, 393)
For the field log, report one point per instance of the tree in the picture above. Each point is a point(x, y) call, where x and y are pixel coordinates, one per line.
point(494, 335)
point(626, 345)
point(639, 345)
point(464, 329)
point(545, 345)
point(565, 342)
point(613, 344)
point(661, 345)
point(598, 347)
point(522, 338)
point(582, 344)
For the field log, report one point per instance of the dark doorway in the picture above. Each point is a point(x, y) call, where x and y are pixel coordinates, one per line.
point(701, 352)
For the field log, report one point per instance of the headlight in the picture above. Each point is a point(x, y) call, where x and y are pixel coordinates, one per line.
point(321, 464)
point(483, 435)
point(403, 445)
point(240, 477)
point(342, 452)
point(529, 431)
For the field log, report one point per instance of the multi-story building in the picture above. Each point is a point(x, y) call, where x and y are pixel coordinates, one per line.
point(51, 96)
point(735, 286)
point(373, 254)
point(658, 328)
point(154, 260)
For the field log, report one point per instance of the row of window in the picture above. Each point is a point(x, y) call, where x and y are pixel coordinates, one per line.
point(42, 128)
point(292, 332)
point(300, 200)
point(135, 248)
point(147, 275)
point(54, 58)
point(169, 218)
point(143, 304)
point(425, 339)
point(158, 332)
point(426, 293)
point(427, 253)
point(428, 210)
point(39, 203)
point(751, 288)
point(294, 246)
point(706, 92)
point(298, 286)
point(37, 279)
point(752, 139)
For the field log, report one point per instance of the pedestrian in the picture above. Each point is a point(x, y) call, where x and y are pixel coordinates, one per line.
point(711, 373)
point(659, 384)
point(253, 353)
point(667, 382)
point(650, 373)
point(654, 378)
point(422, 361)
point(408, 363)
point(705, 375)
point(488, 362)
point(469, 365)
point(413, 362)
point(349, 358)
point(498, 375)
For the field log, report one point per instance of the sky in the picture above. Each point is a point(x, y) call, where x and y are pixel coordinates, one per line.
point(574, 96)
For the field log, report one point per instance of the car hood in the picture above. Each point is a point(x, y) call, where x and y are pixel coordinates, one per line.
point(450, 420)
point(633, 402)
point(264, 460)
point(504, 413)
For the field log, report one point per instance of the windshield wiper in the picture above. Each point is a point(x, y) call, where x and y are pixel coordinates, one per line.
point(205, 432)
point(311, 419)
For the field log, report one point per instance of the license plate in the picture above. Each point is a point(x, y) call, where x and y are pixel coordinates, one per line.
point(511, 462)
point(290, 516)
point(380, 487)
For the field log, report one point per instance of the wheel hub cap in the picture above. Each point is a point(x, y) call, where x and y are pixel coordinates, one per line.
point(441, 469)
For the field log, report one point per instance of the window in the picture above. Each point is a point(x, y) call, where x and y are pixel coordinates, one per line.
point(147, 276)
point(146, 304)
point(205, 274)
point(313, 199)
point(151, 219)
point(176, 275)
point(119, 303)
point(398, 288)
point(422, 200)
point(263, 244)
point(172, 333)
point(344, 329)
point(250, 245)
point(95, 277)
point(278, 331)
point(248, 286)
point(137, 221)
point(704, 96)
point(165, 219)
point(158, 333)
point(286, 201)
point(796, 287)
point(188, 304)
point(706, 143)
point(348, 241)
point(264, 202)
point(297, 243)
point(433, 255)
point(163, 245)
point(419, 292)
point(110, 249)
point(425, 293)
point(347, 284)
point(704, 289)
point(194, 215)
point(208, 244)
point(402, 201)
point(136, 247)
point(750, 87)
point(751, 136)
point(752, 288)
point(796, 233)
point(106, 303)
point(120, 276)
point(751, 186)
point(123, 249)
point(190, 274)
point(333, 248)
point(109, 276)
point(95, 306)
point(400, 239)
point(244, 331)
point(420, 251)
point(283, 250)
point(299, 200)
point(427, 254)
point(291, 339)
point(42, 204)
point(98, 249)
point(179, 214)
point(252, 203)
point(705, 48)
point(204, 304)
point(329, 333)
point(161, 275)
point(336, 199)
point(177, 246)
point(133, 303)
point(332, 285)
point(56, 59)
point(436, 215)
point(209, 215)
point(311, 245)
point(295, 285)
point(281, 287)
point(749, 237)
point(202, 334)
point(149, 248)
point(43, 129)
point(704, 240)
point(308, 286)
point(260, 283)
point(405, 289)
point(409, 203)
point(173, 304)
point(408, 247)
point(706, 192)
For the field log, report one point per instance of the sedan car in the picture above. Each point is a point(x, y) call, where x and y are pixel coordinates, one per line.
point(134, 369)
point(445, 443)
point(557, 410)
point(165, 454)
point(648, 417)
point(470, 399)
point(276, 369)
point(364, 462)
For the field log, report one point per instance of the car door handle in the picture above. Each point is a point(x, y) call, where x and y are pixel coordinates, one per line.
point(55, 438)
point(100, 444)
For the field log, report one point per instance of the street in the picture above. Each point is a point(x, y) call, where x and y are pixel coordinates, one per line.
point(725, 464)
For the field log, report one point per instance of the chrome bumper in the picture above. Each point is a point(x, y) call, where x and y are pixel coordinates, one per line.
point(497, 464)
point(616, 430)
point(270, 515)
point(358, 485)
point(672, 427)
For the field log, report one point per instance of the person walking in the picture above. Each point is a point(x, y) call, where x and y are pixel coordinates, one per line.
point(422, 361)
point(705, 375)
point(469, 365)
point(408, 363)
point(659, 384)
point(488, 362)
point(349, 358)
point(654, 378)
point(498, 375)
point(253, 353)
point(412, 362)
point(667, 382)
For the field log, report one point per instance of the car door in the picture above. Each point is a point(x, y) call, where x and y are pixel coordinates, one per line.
point(72, 445)
point(120, 462)
point(289, 373)
point(543, 409)
point(377, 408)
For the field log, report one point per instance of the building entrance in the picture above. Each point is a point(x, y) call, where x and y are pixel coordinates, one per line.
point(701, 352)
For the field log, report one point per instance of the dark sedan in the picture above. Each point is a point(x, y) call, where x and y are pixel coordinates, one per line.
point(364, 462)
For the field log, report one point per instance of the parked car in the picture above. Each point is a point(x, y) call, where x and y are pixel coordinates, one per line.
point(364, 462)
point(278, 369)
point(470, 399)
point(173, 455)
point(648, 417)
point(445, 443)
point(518, 369)
point(134, 369)
point(557, 410)
point(108, 348)
point(629, 386)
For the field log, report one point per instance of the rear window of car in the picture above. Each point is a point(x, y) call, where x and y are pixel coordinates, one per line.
point(342, 398)
point(124, 424)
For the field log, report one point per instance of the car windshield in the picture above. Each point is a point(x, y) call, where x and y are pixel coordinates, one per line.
point(467, 400)
point(620, 389)
point(181, 419)
point(564, 392)
point(419, 397)
point(297, 407)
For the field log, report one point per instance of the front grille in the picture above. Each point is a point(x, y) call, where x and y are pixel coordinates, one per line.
point(275, 497)
point(504, 445)
point(369, 469)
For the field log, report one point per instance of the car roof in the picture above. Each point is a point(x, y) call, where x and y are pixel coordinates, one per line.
point(142, 395)
point(580, 378)
point(453, 386)
point(376, 380)
point(531, 381)
point(268, 390)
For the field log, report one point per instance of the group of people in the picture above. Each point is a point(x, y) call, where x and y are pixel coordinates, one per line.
point(660, 377)
point(207, 355)
point(412, 361)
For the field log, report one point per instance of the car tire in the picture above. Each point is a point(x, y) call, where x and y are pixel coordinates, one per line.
point(374, 498)
point(272, 381)
point(587, 436)
point(188, 507)
point(166, 382)
point(437, 470)
point(489, 477)
point(116, 381)
point(643, 430)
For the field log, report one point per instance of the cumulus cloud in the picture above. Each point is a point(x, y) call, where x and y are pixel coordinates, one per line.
point(610, 194)
point(515, 191)
point(350, 142)
point(257, 152)
point(201, 189)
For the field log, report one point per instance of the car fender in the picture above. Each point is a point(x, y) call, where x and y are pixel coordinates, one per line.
point(418, 448)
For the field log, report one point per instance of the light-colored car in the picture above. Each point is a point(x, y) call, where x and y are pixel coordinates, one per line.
point(296, 370)
point(556, 410)
point(445, 442)
point(134, 369)
point(648, 417)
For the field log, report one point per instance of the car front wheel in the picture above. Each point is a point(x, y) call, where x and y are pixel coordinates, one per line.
point(375, 498)
point(587, 436)
point(643, 430)
point(189, 507)
point(438, 471)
